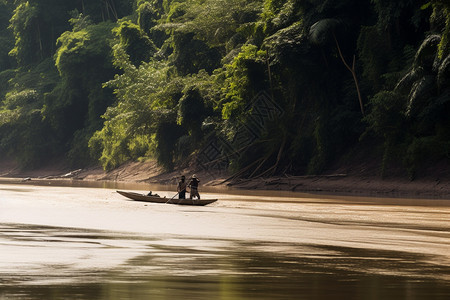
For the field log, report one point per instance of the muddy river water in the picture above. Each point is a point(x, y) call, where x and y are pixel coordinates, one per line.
point(60, 242)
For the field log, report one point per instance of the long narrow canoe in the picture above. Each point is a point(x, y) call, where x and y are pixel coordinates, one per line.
point(157, 199)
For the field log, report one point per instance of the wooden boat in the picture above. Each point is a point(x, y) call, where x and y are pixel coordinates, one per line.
point(158, 199)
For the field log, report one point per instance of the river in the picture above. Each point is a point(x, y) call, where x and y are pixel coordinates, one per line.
point(78, 242)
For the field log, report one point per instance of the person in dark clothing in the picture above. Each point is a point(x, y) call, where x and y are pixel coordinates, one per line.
point(181, 189)
point(193, 185)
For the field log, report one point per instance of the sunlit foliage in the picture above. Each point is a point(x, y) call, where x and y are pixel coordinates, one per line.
point(117, 80)
point(143, 101)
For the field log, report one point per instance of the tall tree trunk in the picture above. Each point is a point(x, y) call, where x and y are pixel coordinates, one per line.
point(352, 70)
point(40, 41)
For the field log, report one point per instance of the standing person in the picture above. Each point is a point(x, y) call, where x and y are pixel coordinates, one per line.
point(181, 189)
point(193, 184)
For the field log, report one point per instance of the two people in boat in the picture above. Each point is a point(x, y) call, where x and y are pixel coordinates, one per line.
point(193, 186)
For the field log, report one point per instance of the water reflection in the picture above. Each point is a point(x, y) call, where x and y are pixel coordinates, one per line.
point(257, 195)
point(83, 243)
point(87, 184)
point(44, 262)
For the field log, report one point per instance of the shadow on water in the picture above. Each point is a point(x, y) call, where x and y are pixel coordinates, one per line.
point(95, 264)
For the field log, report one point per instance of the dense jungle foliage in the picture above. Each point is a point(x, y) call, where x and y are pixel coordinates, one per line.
point(261, 87)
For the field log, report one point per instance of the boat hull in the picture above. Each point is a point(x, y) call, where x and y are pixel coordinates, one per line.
point(156, 199)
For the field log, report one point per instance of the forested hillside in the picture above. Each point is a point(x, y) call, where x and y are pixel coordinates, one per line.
point(261, 87)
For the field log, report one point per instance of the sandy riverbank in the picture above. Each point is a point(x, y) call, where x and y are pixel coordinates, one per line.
point(353, 181)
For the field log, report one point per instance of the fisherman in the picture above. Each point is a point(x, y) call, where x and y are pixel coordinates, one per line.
point(193, 185)
point(181, 189)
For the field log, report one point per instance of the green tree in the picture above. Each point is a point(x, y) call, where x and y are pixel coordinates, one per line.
point(135, 42)
point(24, 135)
point(191, 55)
point(6, 37)
point(420, 99)
point(146, 99)
point(149, 15)
point(28, 45)
point(192, 112)
point(84, 62)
